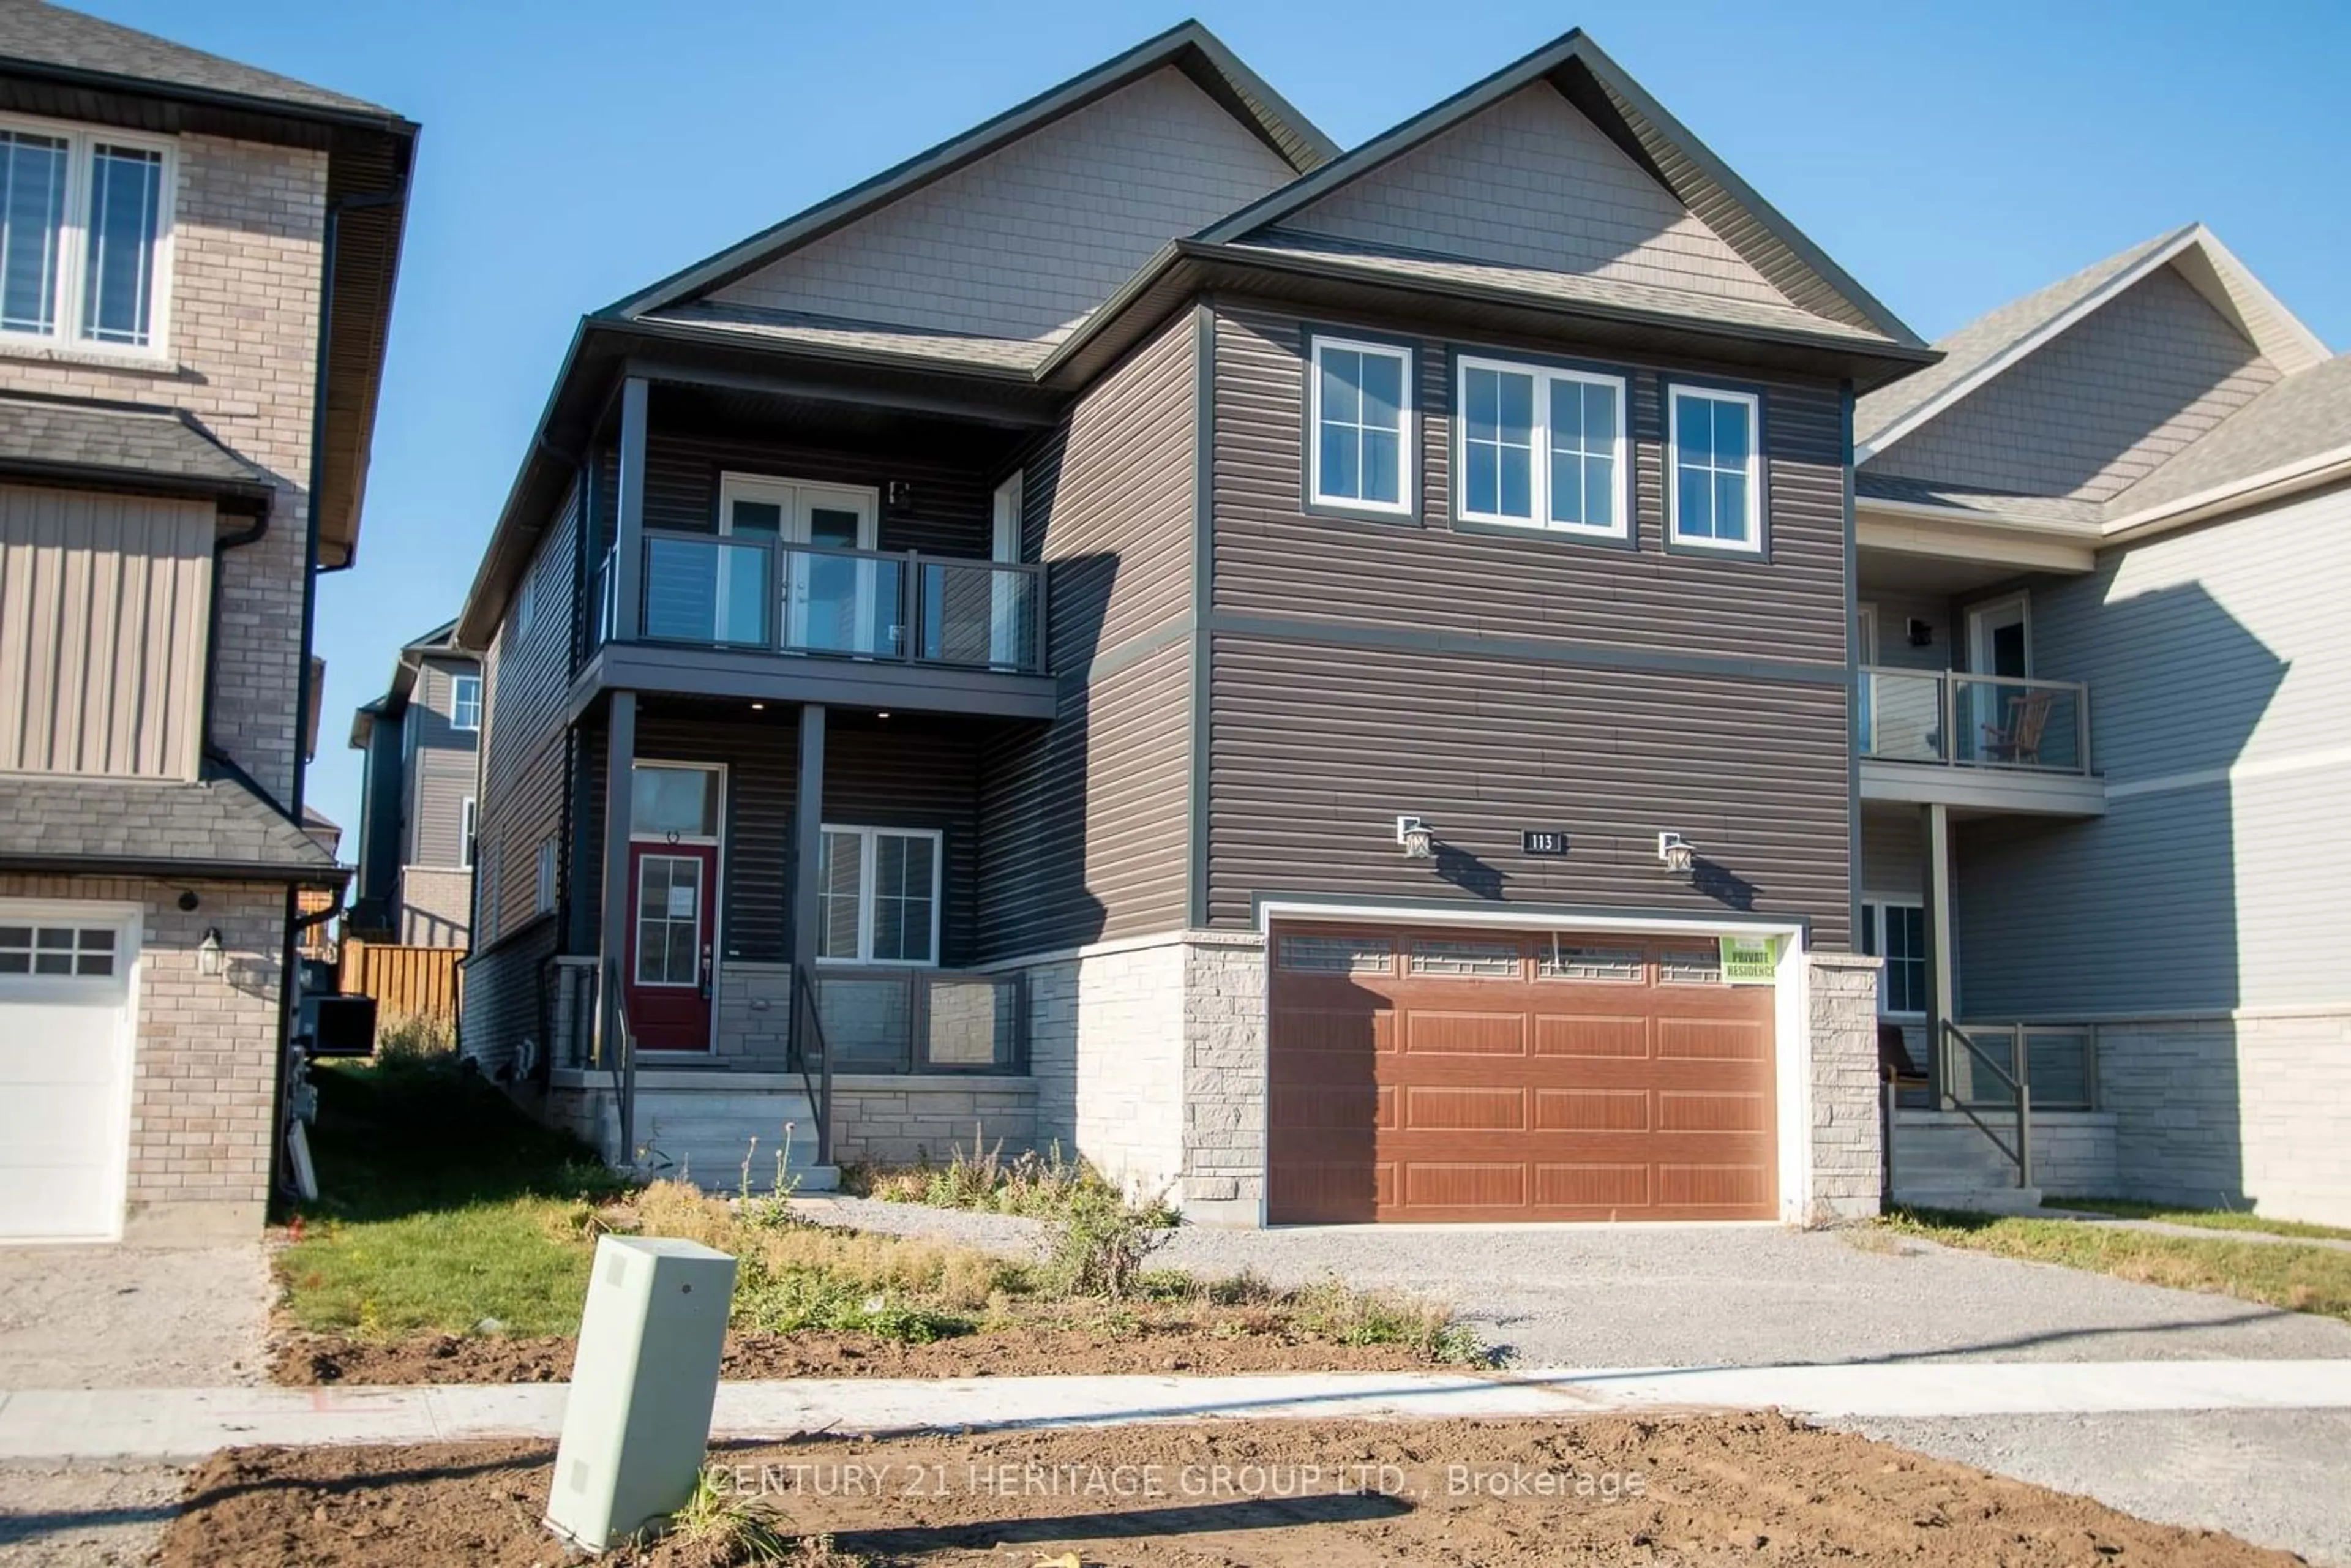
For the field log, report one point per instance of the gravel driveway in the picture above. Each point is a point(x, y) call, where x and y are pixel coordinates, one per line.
point(1702, 1295)
point(126, 1317)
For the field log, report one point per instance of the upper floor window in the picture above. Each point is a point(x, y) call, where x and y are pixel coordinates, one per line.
point(85, 234)
point(1542, 448)
point(467, 823)
point(1360, 418)
point(465, 703)
point(1717, 489)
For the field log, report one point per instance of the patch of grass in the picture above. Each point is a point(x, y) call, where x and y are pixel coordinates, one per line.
point(407, 1038)
point(719, 1525)
point(2315, 1280)
point(2201, 1219)
point(443, 1205)
point(1032, 1185)
point(440, 1205)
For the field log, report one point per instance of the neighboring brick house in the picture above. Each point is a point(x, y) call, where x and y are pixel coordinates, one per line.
point(185, 414)
point(1321, 682)
point(415, 880)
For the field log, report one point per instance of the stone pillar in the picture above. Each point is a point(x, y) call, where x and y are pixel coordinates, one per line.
point(1848, 1125)
point(1224, 1068)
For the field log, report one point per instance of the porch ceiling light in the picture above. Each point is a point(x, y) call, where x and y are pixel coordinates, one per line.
point(1679, 856)
point(208, 952)
point(1418, 839)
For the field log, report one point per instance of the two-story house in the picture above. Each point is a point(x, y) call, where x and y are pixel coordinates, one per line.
point(415, 883)
point(196, 276)
point(1319, 679)
point(2103, 779)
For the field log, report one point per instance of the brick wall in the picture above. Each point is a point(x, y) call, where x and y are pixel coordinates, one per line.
point(2250, 1111)
point(1106, 1049)
point(203, 1069)
point(241, 357)
point(1225, 1070)
point(435, 907)
point(892, 1120)
point(1846, 1151)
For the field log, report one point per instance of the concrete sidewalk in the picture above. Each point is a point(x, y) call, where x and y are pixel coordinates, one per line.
point(61, 1426)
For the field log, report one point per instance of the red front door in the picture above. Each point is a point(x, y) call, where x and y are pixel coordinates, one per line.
point(673, 933)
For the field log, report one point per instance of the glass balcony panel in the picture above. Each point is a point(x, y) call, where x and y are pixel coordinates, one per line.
point(971, 1024)
point(840, 601)
point(978, 614)
point(1902, 715)
point(710, 591)
point(2013, 723)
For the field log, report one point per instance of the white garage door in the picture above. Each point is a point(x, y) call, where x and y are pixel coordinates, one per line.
point(65, 1093)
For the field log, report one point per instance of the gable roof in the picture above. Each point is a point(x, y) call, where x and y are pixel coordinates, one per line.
point(2303, 420)
point(1980, 351)
point(1660, 144)
point(441, 643)
point(50, 37)
point(1188, 47)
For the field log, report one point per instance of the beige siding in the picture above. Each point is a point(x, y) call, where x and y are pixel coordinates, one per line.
point(2099, 407)
point(103, 603)
point(1026, 240)
point(242, 357)
point(1531, 182)
point(445, 782)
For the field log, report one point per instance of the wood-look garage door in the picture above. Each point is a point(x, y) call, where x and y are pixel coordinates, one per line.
point(1468, 1076)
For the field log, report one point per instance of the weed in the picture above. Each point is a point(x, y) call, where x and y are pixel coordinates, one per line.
point(1030, 1184)
point(1100, 1242)
point(1370, 1317)
point(720, 1526)
point(411, 1039)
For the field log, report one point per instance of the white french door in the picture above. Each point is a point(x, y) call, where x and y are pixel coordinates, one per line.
point(1005, 649)
point(831, 603)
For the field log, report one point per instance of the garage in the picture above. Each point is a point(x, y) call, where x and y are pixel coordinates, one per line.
point(1451, 1074)
point(65, 1056)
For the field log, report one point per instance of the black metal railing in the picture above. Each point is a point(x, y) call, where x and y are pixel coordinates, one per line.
point(921, 1020)
point(2019, 1095)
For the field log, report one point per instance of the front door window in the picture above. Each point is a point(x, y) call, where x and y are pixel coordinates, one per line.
point(669, 920)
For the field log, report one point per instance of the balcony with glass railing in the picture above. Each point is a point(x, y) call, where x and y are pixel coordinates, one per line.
point(773, 597)
point(1944, 718)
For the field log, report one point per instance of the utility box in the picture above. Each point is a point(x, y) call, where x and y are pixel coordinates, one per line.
point(643, 1384)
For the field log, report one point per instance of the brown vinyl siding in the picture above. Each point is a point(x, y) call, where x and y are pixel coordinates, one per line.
point(1274, 559)
point(1315, 749)
point(1086, 818)
point(893, 773)
point(946, 511)
point(526, 680)
point(104, 605)
point(1490, 683)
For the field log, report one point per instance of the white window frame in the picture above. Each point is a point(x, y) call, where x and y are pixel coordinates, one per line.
point(457, 704)
point(867, 838)
point(72, 281)
point(526, 604)
point(1874, 906)
point(1676, 395)
point(468, 821)
point(1406, 423)
point(543, 895)
point(1539, 457)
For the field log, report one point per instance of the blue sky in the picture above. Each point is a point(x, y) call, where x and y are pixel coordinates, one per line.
point(1950, 159)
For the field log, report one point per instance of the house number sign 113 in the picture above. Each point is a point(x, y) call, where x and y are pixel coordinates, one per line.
point(1542, 842)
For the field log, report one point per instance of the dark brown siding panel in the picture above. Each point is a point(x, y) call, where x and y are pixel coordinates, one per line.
point(1272, 559)
point(878, 773)
point(1091, 844)
point(525, 679)
point(1316, 750)
point(945, 511)
point(1087, 820)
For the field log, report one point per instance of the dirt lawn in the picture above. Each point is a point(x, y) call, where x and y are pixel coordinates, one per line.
point(1606, 1490)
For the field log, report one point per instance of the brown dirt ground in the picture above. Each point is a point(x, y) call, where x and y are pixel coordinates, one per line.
point(1712, 1489)
point(302, 1358)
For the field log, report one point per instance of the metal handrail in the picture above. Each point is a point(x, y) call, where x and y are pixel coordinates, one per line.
point(909, 608)
point(2020, 1156)
point(622, 1064)
point(1948, 684)
point(819, 1100)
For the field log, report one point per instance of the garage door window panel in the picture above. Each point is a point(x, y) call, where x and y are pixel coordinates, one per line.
point(61, 952)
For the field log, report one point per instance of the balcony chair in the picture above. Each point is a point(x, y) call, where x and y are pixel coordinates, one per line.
point(2020, 739)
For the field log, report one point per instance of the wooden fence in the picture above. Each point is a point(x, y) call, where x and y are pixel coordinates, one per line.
point(419, 982)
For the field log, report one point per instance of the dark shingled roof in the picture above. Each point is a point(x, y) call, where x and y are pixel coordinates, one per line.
point(72, 435)
point(43, 35)
point(218, 827)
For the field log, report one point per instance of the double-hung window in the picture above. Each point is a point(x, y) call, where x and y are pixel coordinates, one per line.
point(878, 889)
point(1360, 418)
point(1898, 934)
point(1542, 448)
point(85, 237)
point(1716, 480)
point(465, 703)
